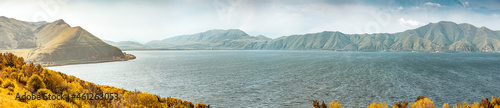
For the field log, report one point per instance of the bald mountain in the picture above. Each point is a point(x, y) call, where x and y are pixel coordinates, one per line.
point(127, 45)
point(54, 43)
point(212, 39)
point(443, 36)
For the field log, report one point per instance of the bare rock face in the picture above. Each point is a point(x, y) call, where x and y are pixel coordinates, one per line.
point(55, 43)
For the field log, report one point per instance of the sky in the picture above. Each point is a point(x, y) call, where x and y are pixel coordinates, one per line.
point(146, 20)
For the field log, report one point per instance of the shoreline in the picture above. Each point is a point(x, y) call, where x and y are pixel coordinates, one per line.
point(128, 57)
point(76, 63)
point(314, 50)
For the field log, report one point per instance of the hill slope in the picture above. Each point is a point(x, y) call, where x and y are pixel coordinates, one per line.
point(212, 39)
point(15, 34)
point(443, 36)
point(54, 43)
point(126, 45)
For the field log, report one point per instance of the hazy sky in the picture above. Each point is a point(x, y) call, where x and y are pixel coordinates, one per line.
point(145, 20)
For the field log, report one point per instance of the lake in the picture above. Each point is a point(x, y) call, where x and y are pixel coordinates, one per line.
point(248, 78)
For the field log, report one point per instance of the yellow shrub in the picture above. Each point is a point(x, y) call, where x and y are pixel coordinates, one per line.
point(446, 105)
point(43, 92)
point(423, 103)
point(35, 83)
point(9, 85)
point(36, 104)
point(147, 99)
point(379, 105)
point(60, 104)
point(19, 76)
point(400, 104)
point(200, 105)
point(315, 104)
point(13, 75)
point(75, 87)
point(466, 105)
point(495, 102)
point(8, 70)
point(53, 81)
point(335, 104)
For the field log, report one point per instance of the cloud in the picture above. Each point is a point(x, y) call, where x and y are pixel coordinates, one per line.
point(400, 8)
point(409, 23)
point(416, 7)
point(430, 4)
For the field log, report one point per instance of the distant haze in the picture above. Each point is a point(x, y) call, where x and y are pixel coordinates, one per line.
point(145, 20)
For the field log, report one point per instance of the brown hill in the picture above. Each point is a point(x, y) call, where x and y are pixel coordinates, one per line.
point(15, 34)
point(55, 43)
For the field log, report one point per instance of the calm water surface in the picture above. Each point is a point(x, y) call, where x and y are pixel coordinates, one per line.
point(294, 78)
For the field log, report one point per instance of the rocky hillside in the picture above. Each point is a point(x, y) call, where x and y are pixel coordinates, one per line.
point(443, 36)
point(54, 43)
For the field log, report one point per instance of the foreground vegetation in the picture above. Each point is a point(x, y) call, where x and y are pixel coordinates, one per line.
point(420, 102)
point(19, 77)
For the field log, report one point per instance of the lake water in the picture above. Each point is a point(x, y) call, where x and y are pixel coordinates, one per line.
point(224, 78)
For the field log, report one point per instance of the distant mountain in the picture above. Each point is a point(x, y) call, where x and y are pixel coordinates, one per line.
point(212, 39)
point(315, 41)
point(127, 45)
point(16, 34)
point(449, 3)
point(54, 43)
point(39, 22)
point(443, 36)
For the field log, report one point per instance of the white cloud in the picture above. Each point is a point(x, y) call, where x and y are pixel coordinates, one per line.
point(430, 4)
point(416, 8)
point(409, 23)
point(400, 8)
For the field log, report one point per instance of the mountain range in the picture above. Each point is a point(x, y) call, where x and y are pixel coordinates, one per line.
point(444, 36)
point(57, 43)
point(54, 43)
